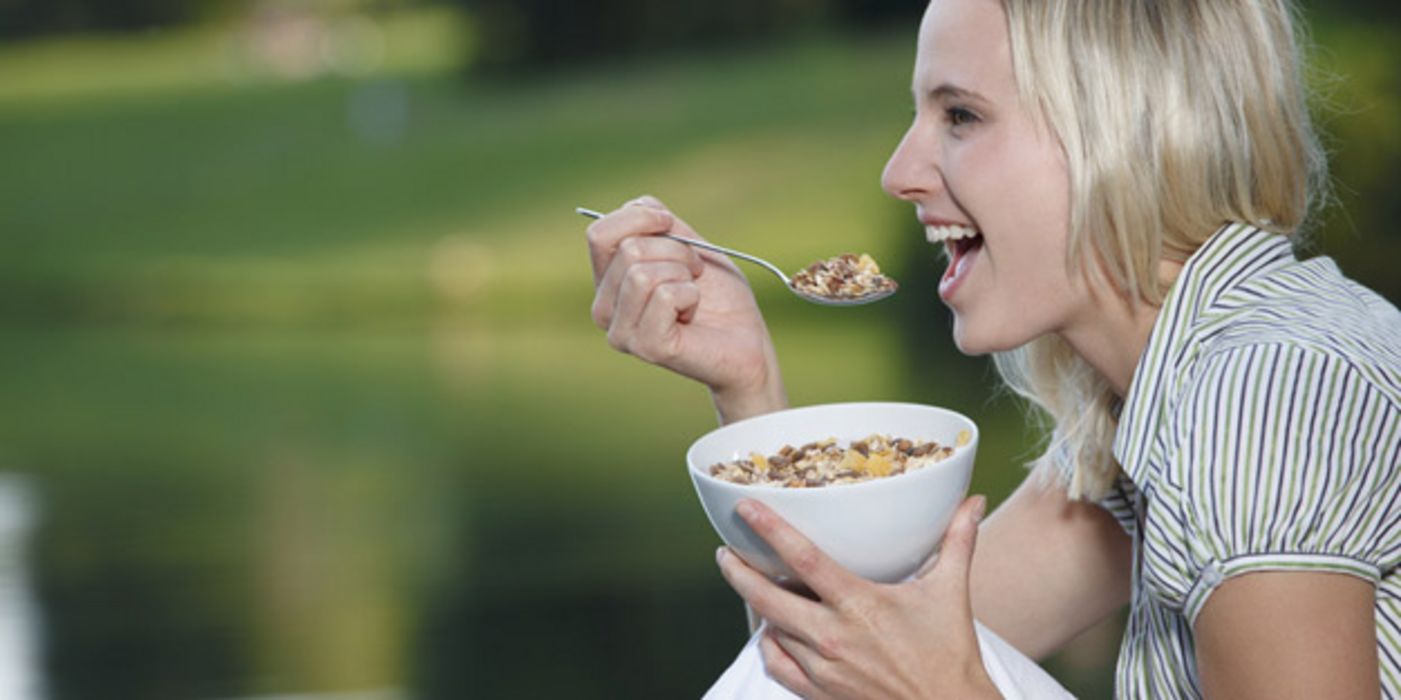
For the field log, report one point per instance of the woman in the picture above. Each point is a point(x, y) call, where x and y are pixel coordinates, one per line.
point(1227, 419)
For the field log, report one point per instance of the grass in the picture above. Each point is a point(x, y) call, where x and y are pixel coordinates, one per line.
point(86, 70)
point(312, 331)
point(139, 184)
point(277, 200)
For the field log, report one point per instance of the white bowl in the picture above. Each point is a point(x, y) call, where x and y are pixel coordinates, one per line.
point(881, 529)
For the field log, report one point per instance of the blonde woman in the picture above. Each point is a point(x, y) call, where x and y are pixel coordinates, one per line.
point(1226, 456)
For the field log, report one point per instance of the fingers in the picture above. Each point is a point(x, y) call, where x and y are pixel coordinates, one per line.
point(782, 667)
point(808, 657)
point(640, 217)
point(605, 234)
point(770, 601)
point(671, 303)
point(955, 558)
point(645, 200)
point(654, 336)
point(637, 289)
point(632, 253)
point(824, 576)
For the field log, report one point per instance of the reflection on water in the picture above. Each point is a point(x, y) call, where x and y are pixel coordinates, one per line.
point(19, 676)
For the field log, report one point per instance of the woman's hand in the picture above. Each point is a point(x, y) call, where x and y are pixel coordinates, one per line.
point(688, 310)
point(861, 639)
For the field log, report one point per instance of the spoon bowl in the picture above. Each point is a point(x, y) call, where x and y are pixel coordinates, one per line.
point(867, 298)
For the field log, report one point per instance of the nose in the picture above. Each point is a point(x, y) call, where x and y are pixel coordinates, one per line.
point(912, 172)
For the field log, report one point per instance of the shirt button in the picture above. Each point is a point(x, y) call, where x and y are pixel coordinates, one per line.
point(1211, 576)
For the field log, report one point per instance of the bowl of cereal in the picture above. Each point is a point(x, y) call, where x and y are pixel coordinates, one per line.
point(874, 485)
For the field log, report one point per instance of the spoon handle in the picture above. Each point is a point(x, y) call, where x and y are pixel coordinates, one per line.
point(732, 253)
point(708, 246)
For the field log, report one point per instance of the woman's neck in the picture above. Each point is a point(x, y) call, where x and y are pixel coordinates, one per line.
point(1113, 333)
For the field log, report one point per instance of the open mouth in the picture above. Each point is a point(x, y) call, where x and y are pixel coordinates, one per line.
point(962, 244)
point(960, 248)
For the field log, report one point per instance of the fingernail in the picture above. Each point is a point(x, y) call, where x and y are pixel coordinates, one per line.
point(719, 554)
point(980, 506)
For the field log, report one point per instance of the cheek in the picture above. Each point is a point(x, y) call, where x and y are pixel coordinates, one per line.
point(1023, 190)
point(1017, 191)
point(1007, 187)
point(1043, 181)
point(1024, 169)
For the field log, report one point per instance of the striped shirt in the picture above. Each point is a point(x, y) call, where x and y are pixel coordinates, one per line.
point(1262, 431)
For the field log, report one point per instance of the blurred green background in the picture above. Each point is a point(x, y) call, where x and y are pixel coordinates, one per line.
point(299, 392)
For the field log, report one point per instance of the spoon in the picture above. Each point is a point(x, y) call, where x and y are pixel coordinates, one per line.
point(874, 295)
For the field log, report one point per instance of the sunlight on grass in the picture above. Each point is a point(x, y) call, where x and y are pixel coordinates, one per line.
point(275, 207)
point(229, 56)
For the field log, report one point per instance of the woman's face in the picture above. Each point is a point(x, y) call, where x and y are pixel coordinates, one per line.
point(975, 164)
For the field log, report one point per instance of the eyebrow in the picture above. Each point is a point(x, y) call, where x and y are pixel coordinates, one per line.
point(946, 90)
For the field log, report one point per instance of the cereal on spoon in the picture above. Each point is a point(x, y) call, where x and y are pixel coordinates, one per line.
point(844, 277)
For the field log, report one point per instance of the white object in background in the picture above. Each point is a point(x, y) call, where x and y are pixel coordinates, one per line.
point(1016, 676)
point(19, 663)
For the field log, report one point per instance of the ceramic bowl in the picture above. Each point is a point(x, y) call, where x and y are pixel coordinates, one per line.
point(882, 529)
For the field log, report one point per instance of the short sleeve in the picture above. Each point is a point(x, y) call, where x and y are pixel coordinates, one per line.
point(1284, 458)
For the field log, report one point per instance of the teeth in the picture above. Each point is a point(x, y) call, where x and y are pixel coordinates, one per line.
point(938, 234)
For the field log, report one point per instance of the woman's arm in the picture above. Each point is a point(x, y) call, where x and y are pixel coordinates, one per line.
point(1047, 568)
point(1289, 635)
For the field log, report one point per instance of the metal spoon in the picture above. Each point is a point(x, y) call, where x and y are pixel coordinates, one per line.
point(787, 281)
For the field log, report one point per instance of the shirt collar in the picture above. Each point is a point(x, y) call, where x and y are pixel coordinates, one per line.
point(1232, 255)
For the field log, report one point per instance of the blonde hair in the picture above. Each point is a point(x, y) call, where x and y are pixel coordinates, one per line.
point(1176, 117)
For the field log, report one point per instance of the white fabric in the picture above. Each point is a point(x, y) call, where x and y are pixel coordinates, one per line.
point(1016, 676)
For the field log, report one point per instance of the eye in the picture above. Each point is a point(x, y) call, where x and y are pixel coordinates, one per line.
point(958, 116)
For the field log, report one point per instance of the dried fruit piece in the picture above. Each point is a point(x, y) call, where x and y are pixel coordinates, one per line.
point(879, 464)
point(760, 462)
point(853, 460)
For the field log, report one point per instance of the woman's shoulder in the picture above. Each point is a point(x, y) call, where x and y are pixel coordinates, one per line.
point(1306, 309)
point(1301, 383)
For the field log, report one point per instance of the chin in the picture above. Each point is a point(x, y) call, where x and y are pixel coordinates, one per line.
point(972, 340)
point(967, 342)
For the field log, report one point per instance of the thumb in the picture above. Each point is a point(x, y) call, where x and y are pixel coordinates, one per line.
point(955, 556)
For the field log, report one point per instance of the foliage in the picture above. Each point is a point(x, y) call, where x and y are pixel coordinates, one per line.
point(536, 34)
point(29, 17)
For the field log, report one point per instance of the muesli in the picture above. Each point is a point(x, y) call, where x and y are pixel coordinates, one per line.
point(846, 276)
point(825, 462)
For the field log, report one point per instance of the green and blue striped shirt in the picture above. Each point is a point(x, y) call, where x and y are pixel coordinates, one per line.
point(1262, 431)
